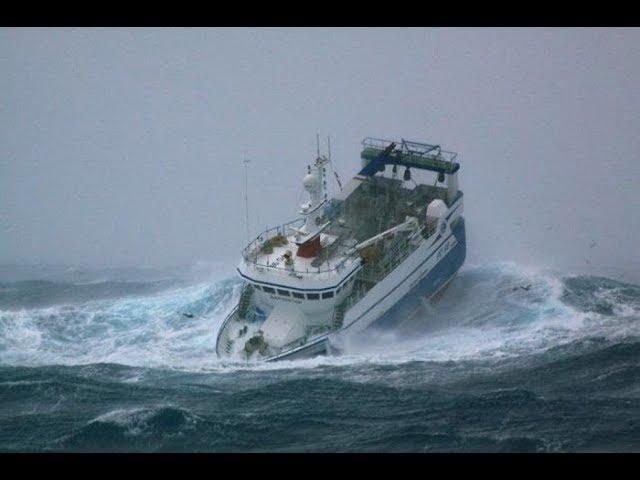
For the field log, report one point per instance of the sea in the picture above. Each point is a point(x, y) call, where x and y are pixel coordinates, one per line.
point(511, 359)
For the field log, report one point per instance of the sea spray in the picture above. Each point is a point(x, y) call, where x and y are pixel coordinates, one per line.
point(510, 359)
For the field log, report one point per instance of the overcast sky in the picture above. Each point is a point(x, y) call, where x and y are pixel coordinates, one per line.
point(124, 147)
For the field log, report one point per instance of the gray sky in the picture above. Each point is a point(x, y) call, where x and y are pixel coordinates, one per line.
point(123, 147)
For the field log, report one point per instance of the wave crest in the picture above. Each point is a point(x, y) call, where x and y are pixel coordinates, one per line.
point(490, 312)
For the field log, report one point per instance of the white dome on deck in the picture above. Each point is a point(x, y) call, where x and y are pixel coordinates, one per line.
point(310, 182)
point(437, 208)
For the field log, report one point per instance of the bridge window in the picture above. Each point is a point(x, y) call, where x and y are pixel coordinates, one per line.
point(268, 289)
point(257, 287)
point(327, 295)
point(284, 293)
point(297, 295)
point(313, 296)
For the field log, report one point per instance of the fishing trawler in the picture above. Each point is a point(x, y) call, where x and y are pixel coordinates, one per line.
point(378, 247)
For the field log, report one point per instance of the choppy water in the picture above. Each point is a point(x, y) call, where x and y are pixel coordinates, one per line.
point(113, 365)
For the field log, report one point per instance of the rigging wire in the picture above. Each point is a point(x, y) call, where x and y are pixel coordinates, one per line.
point(246, 195)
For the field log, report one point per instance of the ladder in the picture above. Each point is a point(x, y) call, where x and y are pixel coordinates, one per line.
point(245, 300)
point(338, 315)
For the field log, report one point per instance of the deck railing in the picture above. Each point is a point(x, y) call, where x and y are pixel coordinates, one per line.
point(411, 154)
point(409, 147)
point(251, 253)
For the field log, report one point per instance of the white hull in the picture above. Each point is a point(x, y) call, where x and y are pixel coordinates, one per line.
point(407, 277)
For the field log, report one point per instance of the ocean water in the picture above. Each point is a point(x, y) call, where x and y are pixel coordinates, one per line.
point(108, 362)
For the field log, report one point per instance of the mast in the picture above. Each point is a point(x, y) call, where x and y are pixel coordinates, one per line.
point(335, 173)
point(246, 195)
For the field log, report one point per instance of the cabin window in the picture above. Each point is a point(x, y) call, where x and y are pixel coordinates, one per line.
point(313, 296)
point(297, 295)
point(338, 290)
point(284, 293)
point(327, 295)
point(257, 287)
point(268, 289)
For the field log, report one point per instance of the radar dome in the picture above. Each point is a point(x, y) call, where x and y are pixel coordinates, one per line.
point(437, 208)
point(310, 182)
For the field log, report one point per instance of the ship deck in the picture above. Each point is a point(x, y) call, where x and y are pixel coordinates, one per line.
point(378, 204)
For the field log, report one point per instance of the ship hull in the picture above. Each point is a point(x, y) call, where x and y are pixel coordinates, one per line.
point(409, 292)
point(405, 298)
point(429, 287)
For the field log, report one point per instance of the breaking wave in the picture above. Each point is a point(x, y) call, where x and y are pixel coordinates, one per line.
point(489, 312)
point(510, 359)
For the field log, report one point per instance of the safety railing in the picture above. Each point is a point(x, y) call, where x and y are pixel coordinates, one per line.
point(270, 233)
point(251, 253)
point(410, 147)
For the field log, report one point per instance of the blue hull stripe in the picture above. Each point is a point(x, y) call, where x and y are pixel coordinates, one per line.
point(428, 286)
point(454, 258)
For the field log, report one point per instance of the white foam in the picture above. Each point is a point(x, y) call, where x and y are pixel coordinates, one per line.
point(484, 315)
point(144, 331)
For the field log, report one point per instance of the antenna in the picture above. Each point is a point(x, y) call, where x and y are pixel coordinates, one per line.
point(318, 143)
point(335, 174)
point(338, 179)
point(246, 195)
